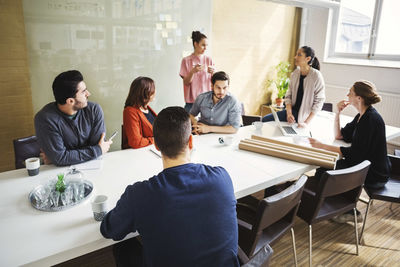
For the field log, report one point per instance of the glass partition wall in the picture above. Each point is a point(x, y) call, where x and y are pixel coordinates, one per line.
point(111, 43)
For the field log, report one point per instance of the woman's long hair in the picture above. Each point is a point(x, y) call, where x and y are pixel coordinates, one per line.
point(309, 52)
point(142, 88)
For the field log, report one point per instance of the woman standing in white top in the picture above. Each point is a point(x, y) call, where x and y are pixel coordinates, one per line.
point(306, 94)
point(196, 70)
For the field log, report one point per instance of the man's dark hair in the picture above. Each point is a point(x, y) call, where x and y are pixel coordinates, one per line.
point(172, 130)
point(219, 76)
point(65, 85)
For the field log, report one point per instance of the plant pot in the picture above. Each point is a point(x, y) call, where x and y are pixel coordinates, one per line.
point(279, 102)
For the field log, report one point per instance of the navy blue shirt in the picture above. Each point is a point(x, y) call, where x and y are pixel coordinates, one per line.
point(186, 216)
point(150, 117)
point(368, 142)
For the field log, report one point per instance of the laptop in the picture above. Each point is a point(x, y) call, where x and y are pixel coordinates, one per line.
point(286, 130)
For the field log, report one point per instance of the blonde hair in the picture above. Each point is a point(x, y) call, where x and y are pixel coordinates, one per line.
point(367, 91)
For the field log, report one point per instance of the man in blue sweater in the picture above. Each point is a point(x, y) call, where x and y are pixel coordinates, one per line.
point(71, 129)
point(185, 215)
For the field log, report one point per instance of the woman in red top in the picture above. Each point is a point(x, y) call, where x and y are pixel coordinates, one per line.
point(138, 116)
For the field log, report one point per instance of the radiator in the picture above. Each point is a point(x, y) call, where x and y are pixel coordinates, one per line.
point(389, 107)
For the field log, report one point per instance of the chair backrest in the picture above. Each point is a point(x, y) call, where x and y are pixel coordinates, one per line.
point(327, 107)
point(260, 259)
point(25, 148)
point(242, 108)
point(249, 119)
point(124, 139)
point(395, 161)
point(337, 182)
point(336, 191)
point(282, 206)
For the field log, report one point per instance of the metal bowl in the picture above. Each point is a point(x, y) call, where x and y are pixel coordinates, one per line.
point(88, 186)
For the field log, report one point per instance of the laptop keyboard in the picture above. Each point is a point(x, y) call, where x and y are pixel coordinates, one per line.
point(289, 130)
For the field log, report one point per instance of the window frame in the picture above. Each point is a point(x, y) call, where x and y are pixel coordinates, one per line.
point(332, 31)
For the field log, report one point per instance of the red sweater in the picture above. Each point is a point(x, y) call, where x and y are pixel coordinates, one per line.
point(138, 130)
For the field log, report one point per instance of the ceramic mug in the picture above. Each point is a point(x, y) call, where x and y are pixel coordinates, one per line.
point(225, 140)
point(99, 207)
point(33, 166)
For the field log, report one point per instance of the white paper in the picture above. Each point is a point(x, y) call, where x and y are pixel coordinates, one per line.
point(94, 164)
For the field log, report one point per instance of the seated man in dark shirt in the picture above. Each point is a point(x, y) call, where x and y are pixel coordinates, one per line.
point(186, 214)
point(71, 129)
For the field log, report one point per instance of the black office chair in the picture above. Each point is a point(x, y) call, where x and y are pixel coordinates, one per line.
point(249, 119)
point(24, 148)
point(260, 259)
point(265, 221)
point(390, 192)
point(124, 139)
point(335, 193)
point(327, 107)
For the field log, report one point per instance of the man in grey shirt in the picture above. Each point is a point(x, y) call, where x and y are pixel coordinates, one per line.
point(220, 111)
point(71, 129)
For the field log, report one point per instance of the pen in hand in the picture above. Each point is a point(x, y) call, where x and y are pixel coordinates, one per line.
point(310, 134)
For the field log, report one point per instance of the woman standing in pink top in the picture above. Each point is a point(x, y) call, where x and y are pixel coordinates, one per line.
point(196, 70)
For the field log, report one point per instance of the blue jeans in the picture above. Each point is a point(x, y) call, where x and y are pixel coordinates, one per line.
point(188, 107)
point(281, 115)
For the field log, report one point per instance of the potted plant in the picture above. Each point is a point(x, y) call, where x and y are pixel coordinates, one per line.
point(281, 81)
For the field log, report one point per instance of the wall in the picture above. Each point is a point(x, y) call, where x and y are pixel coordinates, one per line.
point(16, 118)
point(112, 43)
point(339, 78)
point(249, 38)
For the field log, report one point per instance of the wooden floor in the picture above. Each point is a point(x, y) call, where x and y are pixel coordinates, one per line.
point(334, 243)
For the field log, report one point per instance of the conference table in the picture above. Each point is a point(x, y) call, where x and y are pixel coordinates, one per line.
point(30, 237)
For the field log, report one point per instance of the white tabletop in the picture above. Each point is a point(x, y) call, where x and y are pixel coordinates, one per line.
point(37, 238)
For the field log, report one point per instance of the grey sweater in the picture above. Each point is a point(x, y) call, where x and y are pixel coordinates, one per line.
point(67, 141)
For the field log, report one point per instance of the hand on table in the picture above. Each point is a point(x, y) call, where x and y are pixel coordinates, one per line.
point(315, 143)
point(200, 128)
point(290, 118)
point(302, 125)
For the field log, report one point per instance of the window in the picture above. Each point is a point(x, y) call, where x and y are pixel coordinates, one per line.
point(366, 29)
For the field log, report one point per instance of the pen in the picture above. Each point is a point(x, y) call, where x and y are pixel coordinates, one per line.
point(310, 134)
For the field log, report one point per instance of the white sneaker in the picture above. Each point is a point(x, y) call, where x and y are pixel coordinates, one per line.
point(347, 217)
